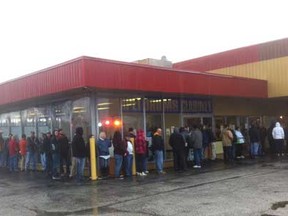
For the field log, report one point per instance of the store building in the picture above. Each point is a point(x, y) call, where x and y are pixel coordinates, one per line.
point(99, 94)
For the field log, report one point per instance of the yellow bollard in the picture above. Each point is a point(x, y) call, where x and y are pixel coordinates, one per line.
point(134, 159)
point(93, 158)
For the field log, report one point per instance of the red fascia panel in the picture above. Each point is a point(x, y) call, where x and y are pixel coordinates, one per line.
point(112, 75)
point(56, 79)
point(122, 76)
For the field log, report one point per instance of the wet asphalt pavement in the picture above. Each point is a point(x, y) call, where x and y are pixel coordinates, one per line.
point(250, 187)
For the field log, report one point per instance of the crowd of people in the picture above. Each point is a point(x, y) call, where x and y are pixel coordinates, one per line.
point(60, 159)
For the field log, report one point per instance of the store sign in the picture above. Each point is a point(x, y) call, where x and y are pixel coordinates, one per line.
point(170, 105)
point(196, 105)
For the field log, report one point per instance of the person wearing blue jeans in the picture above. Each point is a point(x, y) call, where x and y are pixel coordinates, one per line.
point(80, 161)
point(118, 164)
point(159, 161)
point(198, 157)
point(79, 152)
point(119, 152)
point(32, 143)
point(254, 134)
point(196, 138)
point(158, 148)
point(103, 145)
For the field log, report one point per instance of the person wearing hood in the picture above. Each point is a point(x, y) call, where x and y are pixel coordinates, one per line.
point(278, 136)
point(79, 152)
point(177, 142)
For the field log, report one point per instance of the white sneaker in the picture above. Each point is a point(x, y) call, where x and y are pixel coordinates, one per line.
point(138, 173)
point(144, 174)
point(196, 166)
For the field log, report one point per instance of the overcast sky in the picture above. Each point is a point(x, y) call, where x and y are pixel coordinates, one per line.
point(36, 34)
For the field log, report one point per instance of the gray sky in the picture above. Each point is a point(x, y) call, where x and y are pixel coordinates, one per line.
point(36, 34)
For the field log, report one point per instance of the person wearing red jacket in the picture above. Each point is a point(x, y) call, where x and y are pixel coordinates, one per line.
point(13, 151)
point(140, 150)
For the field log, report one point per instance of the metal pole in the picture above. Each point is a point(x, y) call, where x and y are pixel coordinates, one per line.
point(93, 158)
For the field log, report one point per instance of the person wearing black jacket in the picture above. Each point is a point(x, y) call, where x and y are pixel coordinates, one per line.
point(79, 152)
point(120, 148)
point(254, 134)
point(55, 155)
point(47, 148)
point(64, 153)
point(177, 142)
point(158, 148)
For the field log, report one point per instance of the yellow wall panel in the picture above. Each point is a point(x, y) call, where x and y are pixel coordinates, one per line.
point(275, 71)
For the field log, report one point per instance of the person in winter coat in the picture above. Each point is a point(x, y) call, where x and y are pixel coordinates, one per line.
point(64, 153)
point(13, 151)
point(47, 148)
point(79, 152)
point(254, 134)
point(119, 152)
point(55, 155)
point(197, 137)
point(140, 150)
point(158, 148)
point(32, 143)
point(177, 142)
point(22, 151)
point(103, 145)
point(278, 136)
point(227, 139)
point(239, 144)
point(128, 159)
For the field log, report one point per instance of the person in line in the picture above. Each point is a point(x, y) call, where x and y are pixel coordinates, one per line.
point(177, 142)
point(23, 151)
point(13, 150)
point(254, 134)
point(42, 152)
point(79, 152)
point(278, 136)
point(158, 148)
point(197, 139)
point(240, 143)
point(55, 155)
point(2, 147)
point(227, 139)
point(184, 131)
point(128, 159)
point(140, 151)
point(103, 145)
point(47, 148)
point(64, 153)
point(119, 152)
point(32, 143)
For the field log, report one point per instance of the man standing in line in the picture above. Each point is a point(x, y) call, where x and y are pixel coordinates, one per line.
point(278, 136)
point(2, 145)
point(64, 154)
point(32, 143)
point(254, 135)
point(158, 148)
point(79, 152)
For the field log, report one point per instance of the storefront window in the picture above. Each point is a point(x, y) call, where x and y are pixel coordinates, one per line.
point(172, 120)
point(4, 124)
point(81, 116)
point(15, 123)
point(61, 117)
point(29, 120)
point(132, 113)
point(109, 115)
point(44, 120)
point(154, 113)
